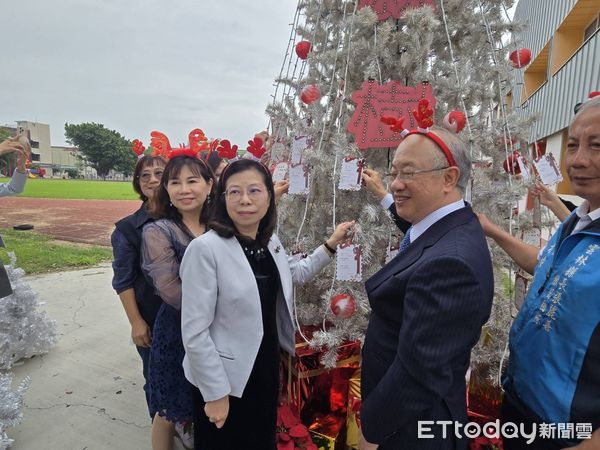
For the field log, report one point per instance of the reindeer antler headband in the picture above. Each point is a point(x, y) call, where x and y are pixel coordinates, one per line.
point(424, 117)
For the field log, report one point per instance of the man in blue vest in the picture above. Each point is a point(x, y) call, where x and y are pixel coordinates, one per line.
point(553, 377)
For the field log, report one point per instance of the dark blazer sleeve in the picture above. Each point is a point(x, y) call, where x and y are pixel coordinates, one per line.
point(440, 320)
point(402, 224)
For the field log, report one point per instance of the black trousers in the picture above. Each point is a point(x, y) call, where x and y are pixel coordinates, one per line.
point(514, 411)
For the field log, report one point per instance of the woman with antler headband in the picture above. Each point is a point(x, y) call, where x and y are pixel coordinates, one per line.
point(237, 311)
point(180, 208)
point(136, 294)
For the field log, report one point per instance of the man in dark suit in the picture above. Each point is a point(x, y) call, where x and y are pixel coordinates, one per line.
point(428, 304)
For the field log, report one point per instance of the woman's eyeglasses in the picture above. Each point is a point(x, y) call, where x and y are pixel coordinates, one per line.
point(146, 176)
point(235, 194)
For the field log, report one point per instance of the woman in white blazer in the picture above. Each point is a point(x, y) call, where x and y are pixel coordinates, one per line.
point(237, 311)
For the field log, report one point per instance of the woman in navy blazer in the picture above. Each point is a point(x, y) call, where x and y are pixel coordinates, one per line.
point(237, 309)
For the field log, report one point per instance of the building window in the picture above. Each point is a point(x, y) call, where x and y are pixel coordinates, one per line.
point(591, 29)
point(35, 156)
point(574, 31)
point(536, 73)
point(34, 144)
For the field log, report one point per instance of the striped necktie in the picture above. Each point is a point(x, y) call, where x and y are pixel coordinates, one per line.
point(405, 241)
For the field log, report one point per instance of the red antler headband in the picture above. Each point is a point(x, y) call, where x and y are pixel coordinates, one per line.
point(256, 148)
point(161, 145)
point(424, 117)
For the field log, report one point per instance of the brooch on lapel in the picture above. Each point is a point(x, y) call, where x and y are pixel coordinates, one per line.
point(276, 250)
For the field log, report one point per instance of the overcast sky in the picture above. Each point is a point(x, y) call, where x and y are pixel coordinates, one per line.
point(143, 65)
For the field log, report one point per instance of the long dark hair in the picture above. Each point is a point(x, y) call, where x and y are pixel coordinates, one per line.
point(142, 163)
point(222, 223)
point(161, 207)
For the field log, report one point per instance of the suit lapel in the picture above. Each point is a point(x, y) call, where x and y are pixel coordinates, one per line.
point(414, 251)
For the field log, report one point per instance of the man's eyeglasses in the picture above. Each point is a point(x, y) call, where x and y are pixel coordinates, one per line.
point(146, 176)
point(410, 175)
point(235, 194)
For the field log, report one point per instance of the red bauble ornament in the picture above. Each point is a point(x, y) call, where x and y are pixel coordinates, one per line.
point(310, 94)
point(520, 58)
point(303, 49)
point(455, 121)
point(343, 305)
point(511, 164)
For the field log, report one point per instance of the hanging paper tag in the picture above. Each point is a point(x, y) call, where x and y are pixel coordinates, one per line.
point(533, 236)
point(351, 174)
point(349, 263)
point(548, 170)
point(299, 144)
point(299, 180)
point(393, 248)
point(280, 170)
point(521, 284)
point(523, 166)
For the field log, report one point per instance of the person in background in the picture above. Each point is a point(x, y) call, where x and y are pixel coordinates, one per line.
point(136, 294)
point(18, 145)
point(237, 311)
point(180, 209)
point(554, 342)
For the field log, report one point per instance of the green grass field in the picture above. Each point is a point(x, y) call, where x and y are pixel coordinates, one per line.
point(78, 189)
point(37, 254)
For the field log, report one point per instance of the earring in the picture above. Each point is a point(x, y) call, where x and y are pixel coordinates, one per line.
point(170, 204)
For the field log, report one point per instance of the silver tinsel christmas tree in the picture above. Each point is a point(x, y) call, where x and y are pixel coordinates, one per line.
point(24, 332)
point(456, 48)
point(11, 403)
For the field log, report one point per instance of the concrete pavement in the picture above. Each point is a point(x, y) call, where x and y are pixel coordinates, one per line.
point(86, 393)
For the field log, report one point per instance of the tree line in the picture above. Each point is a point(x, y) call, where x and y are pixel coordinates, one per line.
point(101, 148)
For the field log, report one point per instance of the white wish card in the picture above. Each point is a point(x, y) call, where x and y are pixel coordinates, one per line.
point(351, 174)
point(548, 170)
point(280, 171)
point(532, 236)
point(523, 167)
point(349, 263)
point(299, 180)
point(393, 248)
point(299, 144)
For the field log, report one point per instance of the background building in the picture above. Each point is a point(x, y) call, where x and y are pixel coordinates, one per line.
point(565, 67)
point(56, 160)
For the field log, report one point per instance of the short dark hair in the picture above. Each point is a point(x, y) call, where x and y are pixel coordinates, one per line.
point(161, 207)
point(222, 223)
point(142, 163)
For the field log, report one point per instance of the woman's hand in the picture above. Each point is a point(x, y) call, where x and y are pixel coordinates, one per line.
point(140, 333)
point(343, 231)
point(16, 145)
point(217, 411)
point(280, 187)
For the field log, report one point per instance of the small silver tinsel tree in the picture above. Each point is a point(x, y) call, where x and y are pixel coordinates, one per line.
point(457, 47)
point(24, 332)
point(11, 403)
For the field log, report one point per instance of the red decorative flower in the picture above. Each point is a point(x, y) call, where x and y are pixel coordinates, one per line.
point(291, 434)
